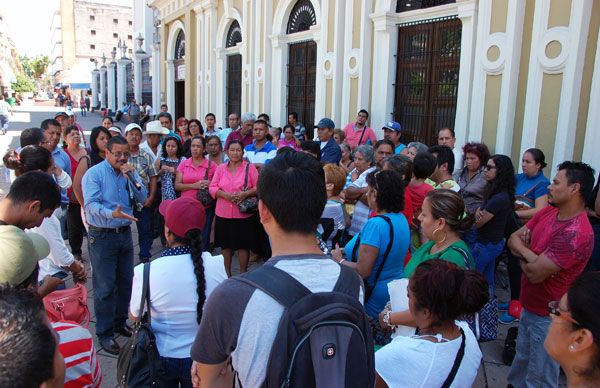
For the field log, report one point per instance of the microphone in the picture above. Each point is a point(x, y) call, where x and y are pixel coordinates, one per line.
point(134, 181)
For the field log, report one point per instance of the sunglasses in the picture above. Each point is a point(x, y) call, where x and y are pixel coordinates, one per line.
point(554, 309)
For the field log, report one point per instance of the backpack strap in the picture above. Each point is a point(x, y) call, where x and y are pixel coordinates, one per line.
point(348, 282)
point(145, 293)
point(457, 362)
point(464, 254)
point(387, 250)
point(276, 283)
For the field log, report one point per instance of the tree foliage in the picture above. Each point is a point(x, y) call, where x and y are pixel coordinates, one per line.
point(24, 84)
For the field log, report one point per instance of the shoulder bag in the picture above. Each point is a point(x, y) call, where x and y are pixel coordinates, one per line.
point(139, 362)
point(250, 204)
point(68, 305)
point(203, 195)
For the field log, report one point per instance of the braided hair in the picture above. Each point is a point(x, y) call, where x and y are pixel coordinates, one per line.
point(193, 238)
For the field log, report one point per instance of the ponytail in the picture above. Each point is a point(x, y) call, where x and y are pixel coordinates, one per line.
point(194, 236)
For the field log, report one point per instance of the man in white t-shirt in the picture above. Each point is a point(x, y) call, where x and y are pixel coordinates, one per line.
point(240, 321)
point(447, 137)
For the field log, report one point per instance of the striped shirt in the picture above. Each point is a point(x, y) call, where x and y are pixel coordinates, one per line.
point(77, 348)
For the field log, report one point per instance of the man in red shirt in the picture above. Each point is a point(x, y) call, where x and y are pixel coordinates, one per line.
point(244, 133)
point(554, 248)
point(358, 132)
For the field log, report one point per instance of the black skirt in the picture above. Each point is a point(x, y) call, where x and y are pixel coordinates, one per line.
point(237, 233)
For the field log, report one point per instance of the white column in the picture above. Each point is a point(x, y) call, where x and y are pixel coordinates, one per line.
point(256, 17)
point(218, 87)
point(200, 50)
point(348, 110)
point(467, 13)
point(156, 77)
point(385, 42)
point(95, 91)
point(364, 60)
point(170, 99)
point(103, 90)
point(137, 78)
point(566, 125)
point(278, 76)
point(112, 87)
point(122, 82)
point(210, 62)
point(336, 58)
point(266, 66)
point(591, 144)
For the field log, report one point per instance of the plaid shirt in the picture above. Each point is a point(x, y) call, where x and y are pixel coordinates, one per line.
point(143, 163)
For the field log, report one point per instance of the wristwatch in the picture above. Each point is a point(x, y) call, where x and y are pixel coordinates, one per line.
point(386, 318)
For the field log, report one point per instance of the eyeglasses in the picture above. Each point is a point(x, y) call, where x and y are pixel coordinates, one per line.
point(488, 167)
point(554, 309)
point(120, 154)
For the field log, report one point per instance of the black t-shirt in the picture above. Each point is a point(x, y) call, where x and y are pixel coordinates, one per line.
point(500, 206)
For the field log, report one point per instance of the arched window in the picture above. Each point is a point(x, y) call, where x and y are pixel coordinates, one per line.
point(180, 46)
point(234, 35)
point(302, 17)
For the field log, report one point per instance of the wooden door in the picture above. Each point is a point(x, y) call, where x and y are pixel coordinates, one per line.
point(302, 68)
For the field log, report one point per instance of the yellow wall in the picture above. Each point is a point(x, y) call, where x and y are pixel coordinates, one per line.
point(586, 84)
point(560, 12)
point(522, 83)
point(548, 113)
point(499, 12)
point(490, 112)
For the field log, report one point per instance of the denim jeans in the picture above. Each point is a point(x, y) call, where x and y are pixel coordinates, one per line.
point(111, 255)
point(210, 214)
point(177, 372)
point(485, 255)
point(145, 234)
point(64, 207)
point(532, 366)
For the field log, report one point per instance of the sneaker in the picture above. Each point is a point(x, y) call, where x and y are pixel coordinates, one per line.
point(507, 319)
point(502, 306)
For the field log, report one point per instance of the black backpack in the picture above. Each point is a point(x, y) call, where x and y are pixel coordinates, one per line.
point(324, 339)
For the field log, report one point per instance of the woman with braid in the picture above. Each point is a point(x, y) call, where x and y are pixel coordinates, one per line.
point(181, 280)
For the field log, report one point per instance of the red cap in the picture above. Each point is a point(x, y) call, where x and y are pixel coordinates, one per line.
point(182, 215)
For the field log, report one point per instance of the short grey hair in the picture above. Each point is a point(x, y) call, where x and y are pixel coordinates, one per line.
point(419, 146)
point(248, 116)
point(367, 152)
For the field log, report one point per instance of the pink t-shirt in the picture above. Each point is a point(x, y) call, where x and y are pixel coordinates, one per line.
point(283, 143)
point(231, 183)
point(193, 174)
point(568, 244)
point(353, 136)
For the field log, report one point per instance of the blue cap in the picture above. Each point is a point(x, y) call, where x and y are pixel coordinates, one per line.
point(325, 123)
point(392, 126)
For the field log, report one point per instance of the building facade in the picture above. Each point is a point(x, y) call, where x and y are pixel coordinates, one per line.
point(86, 30)
point(514, 74)
point(9, 60)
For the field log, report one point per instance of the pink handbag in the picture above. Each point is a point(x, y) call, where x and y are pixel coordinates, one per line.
point(68, 305)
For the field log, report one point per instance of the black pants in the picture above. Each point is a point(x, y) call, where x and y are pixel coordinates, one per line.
point(75, 228)
point(514, 275)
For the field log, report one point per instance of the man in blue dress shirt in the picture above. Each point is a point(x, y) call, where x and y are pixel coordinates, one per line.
point(109, 199)
point(330, 150)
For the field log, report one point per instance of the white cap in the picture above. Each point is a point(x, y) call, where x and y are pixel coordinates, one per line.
point(115, 129)
point(131, 126)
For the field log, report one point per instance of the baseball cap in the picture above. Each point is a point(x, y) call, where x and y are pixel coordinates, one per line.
point(325, 123)
point(61, 114)
point(392, 126)
point(182, 215)
point(131, 126)
point(115, 129)
point(19, 253)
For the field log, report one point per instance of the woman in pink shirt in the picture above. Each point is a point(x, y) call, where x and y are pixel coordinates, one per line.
point(194, 174)
point(288, 139)
point(235, 230)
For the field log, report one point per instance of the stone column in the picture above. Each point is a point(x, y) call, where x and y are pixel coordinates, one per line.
point(112, 88)
point(103, 90)
point(156, 77)
point(122, 81)
point(137, 77)
point(95, 90)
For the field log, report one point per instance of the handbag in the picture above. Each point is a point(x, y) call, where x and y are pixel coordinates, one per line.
point(139, 362)
point(203, 195)
point(522, 202)
point(68, 305)
point(250, 204)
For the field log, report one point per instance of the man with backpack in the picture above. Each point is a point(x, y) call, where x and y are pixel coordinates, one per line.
point(297, 320)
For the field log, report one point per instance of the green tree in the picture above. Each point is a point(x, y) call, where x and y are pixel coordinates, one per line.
point(24, 84)
point(26, 65)
point(39, 65)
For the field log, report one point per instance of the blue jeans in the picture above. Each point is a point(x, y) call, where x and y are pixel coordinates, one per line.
point(177, 372)
point(532, 366)
point(145, 237)
point(64, 207)
point(210, 214)
point(485, 255)
point(111, 255)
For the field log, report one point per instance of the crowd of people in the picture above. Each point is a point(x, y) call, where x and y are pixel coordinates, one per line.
point(412, 232)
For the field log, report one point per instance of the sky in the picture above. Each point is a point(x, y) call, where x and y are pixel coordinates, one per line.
point(28, 22)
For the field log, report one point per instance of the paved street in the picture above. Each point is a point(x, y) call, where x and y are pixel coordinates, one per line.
point(492, 373)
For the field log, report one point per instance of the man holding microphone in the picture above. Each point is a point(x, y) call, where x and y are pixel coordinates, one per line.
point(111, 191)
